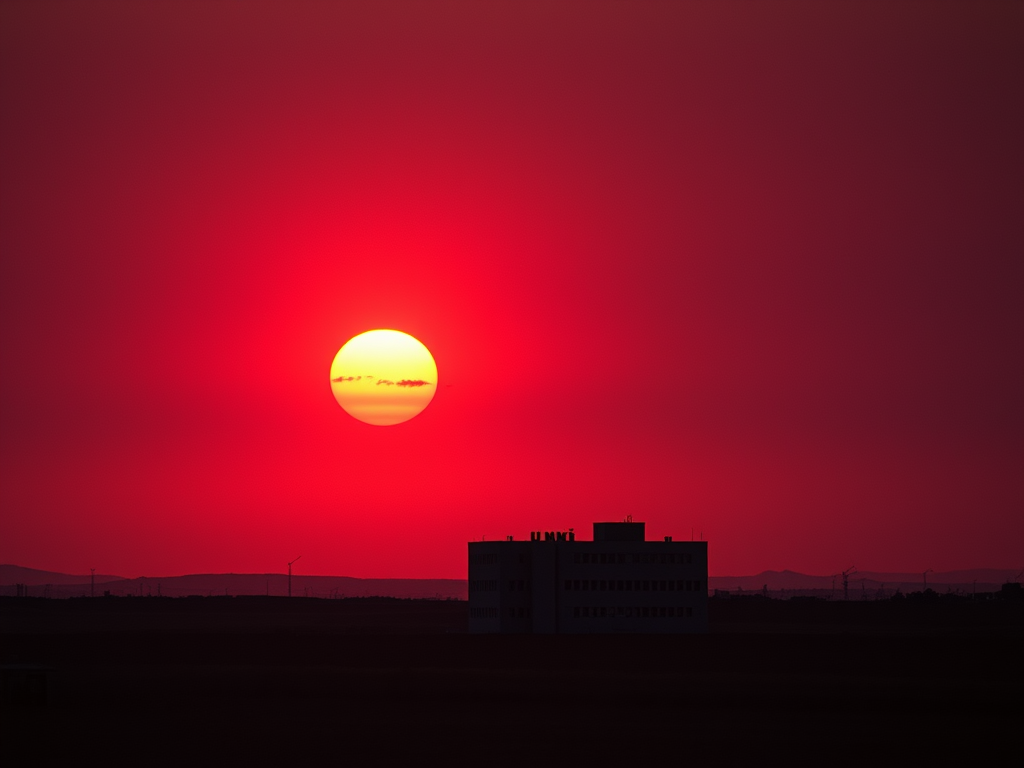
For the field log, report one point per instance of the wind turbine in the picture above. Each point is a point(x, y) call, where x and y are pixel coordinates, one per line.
point(290, 575)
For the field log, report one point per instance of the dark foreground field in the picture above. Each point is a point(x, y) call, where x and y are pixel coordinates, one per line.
point(256, 681)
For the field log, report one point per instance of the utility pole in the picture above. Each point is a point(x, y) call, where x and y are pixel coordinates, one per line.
point(92, 582)
point(846, 581)
point(290, 575)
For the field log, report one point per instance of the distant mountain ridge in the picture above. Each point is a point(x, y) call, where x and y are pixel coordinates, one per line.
point(778, 583)
point(17, 574)
point(861, 582)
point(52, 584)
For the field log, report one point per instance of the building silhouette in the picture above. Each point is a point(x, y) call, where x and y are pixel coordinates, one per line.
point(619, 582)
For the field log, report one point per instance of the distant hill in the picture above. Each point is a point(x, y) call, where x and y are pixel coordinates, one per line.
point(50, 584)
point(15, 574)
point(866, 583)
point(779, 583)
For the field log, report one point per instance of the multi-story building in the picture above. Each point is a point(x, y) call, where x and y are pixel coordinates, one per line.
point(619, 582)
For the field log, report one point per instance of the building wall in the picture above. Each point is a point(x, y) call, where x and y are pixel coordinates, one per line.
point(588, 586)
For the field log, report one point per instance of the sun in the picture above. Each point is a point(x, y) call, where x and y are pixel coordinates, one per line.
point(383, 377)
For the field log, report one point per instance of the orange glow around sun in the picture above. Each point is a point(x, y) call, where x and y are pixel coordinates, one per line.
point(383, 377)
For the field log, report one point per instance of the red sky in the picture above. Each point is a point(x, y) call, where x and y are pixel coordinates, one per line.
point(754, 269)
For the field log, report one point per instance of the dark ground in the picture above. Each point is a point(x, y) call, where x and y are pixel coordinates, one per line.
point(256, 681)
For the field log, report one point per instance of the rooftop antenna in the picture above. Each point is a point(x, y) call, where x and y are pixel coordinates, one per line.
point(92, 582)
point(924, 577)
point(846, 581)
point(290, 574)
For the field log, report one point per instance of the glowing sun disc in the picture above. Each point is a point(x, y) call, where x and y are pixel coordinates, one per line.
point(383, 377)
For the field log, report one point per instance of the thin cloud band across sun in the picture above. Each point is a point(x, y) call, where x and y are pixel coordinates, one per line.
point(402, 385)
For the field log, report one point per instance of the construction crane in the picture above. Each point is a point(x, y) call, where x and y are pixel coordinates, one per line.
point(846, 581)
point(290, 574)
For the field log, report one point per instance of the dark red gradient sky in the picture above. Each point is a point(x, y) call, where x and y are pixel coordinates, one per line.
point(755, 269)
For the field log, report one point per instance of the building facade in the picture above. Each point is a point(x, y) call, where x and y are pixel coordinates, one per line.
point(619, 582)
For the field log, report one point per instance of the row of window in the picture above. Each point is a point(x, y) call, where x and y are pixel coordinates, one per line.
point(597, 612)
point(632, 585)
point(597, 585)
point(600, 558)
point(646, 612)
point(644, 558)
